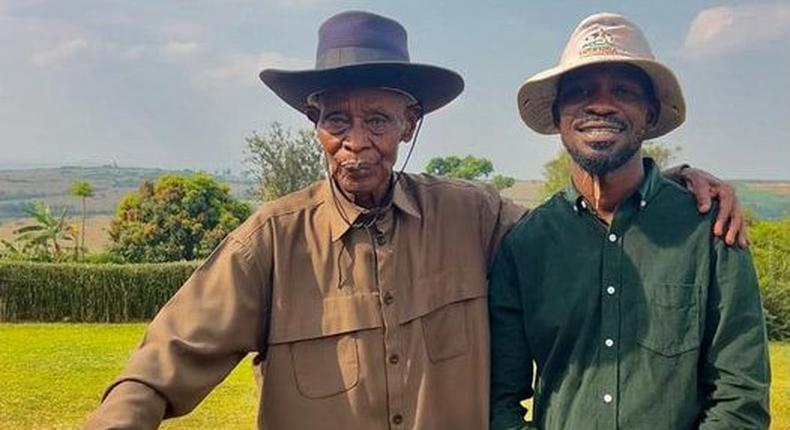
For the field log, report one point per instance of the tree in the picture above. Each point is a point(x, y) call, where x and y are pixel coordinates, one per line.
point(469, 167)
point(558, 170)
point(177, 217)
point(42, 241)
point(502, 182)
point(83, 190)
point(281, 162)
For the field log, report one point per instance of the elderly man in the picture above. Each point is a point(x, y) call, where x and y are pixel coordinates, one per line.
point(635, 317)
point(365, 294)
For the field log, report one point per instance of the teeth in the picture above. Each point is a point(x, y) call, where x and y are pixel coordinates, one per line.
point(601, 130)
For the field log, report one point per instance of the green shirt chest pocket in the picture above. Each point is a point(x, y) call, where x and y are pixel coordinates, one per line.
point(668, 319)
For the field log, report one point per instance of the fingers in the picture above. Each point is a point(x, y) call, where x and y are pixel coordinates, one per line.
point(735, 227)
point(702, 192)
point(726, 208)
point(743, 237)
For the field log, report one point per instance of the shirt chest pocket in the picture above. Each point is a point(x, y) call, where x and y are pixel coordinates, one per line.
point(325, 366)
point(668, 320)
point(322, 339)
point(446, 333)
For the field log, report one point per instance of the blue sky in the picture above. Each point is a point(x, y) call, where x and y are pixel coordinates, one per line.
point(174, 83)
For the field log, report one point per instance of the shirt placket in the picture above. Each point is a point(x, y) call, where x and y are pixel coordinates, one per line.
point(611, 284)
point(382, 234)
point(611, 316)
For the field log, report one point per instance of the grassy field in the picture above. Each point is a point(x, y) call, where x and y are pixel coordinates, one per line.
point(53, 375)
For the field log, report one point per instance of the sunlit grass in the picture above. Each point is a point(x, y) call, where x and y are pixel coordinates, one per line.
point(52, 376)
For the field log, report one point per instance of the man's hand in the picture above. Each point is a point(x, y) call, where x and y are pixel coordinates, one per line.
point(706, 187)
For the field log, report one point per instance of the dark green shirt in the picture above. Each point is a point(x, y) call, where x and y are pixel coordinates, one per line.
point(650, 323)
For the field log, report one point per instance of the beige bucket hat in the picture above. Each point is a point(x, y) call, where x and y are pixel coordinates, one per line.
point(603, 38)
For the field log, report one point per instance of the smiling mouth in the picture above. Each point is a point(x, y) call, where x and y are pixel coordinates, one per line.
point(600, 131)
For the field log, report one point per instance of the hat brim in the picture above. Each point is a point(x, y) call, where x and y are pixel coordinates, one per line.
point(536, 96)
point(432, 86)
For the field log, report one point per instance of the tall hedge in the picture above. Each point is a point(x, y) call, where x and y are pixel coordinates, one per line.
point(771, 250)
point(87, 292)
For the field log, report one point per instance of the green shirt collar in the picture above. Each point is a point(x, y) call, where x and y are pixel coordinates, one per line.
point(648, 188)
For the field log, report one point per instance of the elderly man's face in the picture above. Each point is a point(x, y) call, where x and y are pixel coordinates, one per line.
point(604, 112)
point(360, 130)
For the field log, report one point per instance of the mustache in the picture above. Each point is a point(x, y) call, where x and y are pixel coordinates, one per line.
point(607, 120)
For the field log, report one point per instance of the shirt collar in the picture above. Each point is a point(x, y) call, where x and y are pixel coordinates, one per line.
point(647, 190)
point(342, 212)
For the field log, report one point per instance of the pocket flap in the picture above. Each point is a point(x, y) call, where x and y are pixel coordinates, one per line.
point(311, 319)
point(438, 290)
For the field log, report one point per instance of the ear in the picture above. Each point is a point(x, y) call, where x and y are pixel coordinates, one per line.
point(653, 110)
point(412, 115)
point(555, 113)
point(313, 114)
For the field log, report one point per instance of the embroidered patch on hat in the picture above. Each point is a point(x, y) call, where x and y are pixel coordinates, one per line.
point(599, 42)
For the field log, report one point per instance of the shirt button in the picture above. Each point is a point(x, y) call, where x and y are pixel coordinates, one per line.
point(388, 298)
point(397, 419)
point(612, 237)
point(394, 359)
point(607, 398)
point(610, 290)
point(609, 343)
point(642, 203)
point(583, 204)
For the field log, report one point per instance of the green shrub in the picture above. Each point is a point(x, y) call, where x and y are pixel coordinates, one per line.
point(87, 292)
point(771, 250)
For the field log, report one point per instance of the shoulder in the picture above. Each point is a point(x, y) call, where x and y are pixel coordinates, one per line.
point(537, 218)
point(436, 189)
point(675, 201)
point(291, 205)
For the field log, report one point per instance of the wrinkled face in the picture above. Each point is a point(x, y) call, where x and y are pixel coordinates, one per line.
point(360, 130)
point(603, 112)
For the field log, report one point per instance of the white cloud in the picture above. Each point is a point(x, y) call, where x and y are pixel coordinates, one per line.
point(61, 53)
point(244, 69)
point(175, 49)
point(726, 29)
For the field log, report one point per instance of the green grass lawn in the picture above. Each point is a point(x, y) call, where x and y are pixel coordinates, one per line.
point(52, 375)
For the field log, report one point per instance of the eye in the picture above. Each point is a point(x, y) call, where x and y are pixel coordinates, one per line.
point(377, 123)
point(573, 94)
point(335, 123)
point(627, 93)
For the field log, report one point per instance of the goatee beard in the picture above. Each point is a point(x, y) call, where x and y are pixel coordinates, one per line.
point(599, 165)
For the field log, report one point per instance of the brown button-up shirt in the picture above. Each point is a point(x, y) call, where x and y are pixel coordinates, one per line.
point(366, 322)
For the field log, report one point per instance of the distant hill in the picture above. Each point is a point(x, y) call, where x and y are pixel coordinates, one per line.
point(19, 187)
point(769, 199)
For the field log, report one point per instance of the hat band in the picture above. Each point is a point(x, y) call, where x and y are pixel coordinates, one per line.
point(351, 55)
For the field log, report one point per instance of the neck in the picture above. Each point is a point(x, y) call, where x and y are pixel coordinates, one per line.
point(605, 192)
point(373, 199)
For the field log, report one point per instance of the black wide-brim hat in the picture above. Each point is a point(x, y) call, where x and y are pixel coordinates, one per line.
point(361, 49)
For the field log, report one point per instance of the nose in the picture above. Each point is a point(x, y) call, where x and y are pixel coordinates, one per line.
point(356, 138)
point(600, 103)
